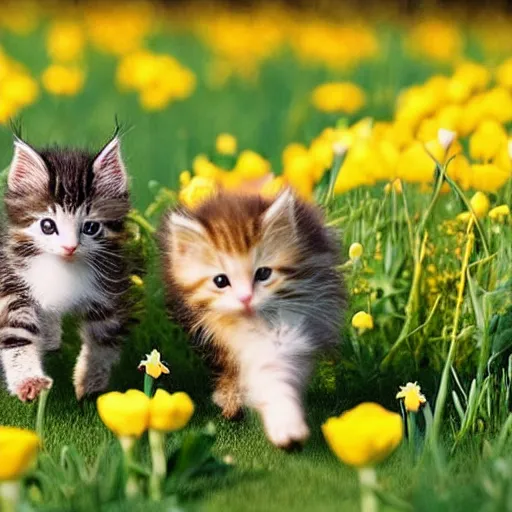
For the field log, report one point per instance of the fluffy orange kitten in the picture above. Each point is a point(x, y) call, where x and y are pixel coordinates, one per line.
point(255, 283)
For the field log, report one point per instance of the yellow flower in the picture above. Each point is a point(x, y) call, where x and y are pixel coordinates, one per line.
point(63, 80)
point(499, 213)
point(18, 452)
point(204, 168)
point(250, 165)
point(487, 140)
point(395, 185)
point(197, 191)
point(226, 144)
point(504, 74)
point(136, 280)
point(362, 321)
point(355, 251)
point(170, 412)
point(272, 187)
point(338, 97)
point(152, 364)
point(364, 435)
point(185, 178)
point(411, 393)
point(18, 89)
point(125, 414)
point(464, 217)
point(415, 165)
point(65, 41)
point(480, 204)
point(488, 177)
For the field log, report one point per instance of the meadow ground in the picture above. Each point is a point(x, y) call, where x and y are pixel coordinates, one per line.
point(406, 281)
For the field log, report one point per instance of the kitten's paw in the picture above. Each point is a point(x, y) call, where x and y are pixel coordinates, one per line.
point(30, 388)
point(230, 403)
point(90, 386)
point(285, 430)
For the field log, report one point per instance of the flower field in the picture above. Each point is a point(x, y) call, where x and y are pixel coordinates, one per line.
point(399, 124)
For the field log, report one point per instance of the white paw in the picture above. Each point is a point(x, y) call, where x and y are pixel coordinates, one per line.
point(30, 388)
point(285, 428)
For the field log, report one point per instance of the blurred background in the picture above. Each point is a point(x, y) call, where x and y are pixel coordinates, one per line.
point(177, 74)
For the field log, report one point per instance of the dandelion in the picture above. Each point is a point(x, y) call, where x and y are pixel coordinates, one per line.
point(363, 437)
point(338, 97)
point(152, 365)
point(355, 251)
point(487, 140)
point(125, 414)
point(18, 454)
point(226, 144)
point(250, 165)
point(411, 393)
point(500, 213)
point(185, 178)
point(362, 321)
point(63, 80)
point(197, 191)
point(65, 41)
point(480, 204)
point(170, 412)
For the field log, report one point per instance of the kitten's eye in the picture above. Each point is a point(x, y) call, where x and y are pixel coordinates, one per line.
point(48, 227)
point(91, 228)
point(221, 281)
point(262, 274)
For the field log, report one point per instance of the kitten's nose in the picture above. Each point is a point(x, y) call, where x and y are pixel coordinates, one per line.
point(69, 249)
point(246, 300)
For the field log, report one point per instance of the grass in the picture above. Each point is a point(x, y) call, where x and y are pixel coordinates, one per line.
point(158, 147)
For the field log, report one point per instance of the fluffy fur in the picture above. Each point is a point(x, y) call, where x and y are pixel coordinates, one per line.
point(281, 303)
point(62, 251)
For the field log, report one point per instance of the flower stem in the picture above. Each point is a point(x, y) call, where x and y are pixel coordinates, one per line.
point(41, 408)
point(9, 495)
point(131, 485)
point(159, 465)
point(148, 385)
point(368, 480)
point(443, 386)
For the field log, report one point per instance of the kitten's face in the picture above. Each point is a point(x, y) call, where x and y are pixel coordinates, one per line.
point(236, 254)
point(65, 203)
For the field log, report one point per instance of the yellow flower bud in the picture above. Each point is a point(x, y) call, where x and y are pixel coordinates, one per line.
point(499, 213)
point(355, 251)
point(125, 414)
point(18, 452)
point(136, 280)
point(411, 393)
point(170, 412)
point(362, 321)
point(152, 365)
point(364, 435)
point(226, 144)
point(480, 204)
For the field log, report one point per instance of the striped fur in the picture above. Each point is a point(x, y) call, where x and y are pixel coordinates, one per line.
point(43, 276)
point(260, 334)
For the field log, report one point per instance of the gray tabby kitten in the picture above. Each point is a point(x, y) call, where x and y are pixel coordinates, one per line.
point(61, 251)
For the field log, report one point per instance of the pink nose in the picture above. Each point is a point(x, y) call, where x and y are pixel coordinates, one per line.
point(69, 249)
point(245, 300)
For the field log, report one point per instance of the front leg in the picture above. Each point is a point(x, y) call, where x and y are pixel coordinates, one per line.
point(20, 344)
point(275, 391)
point(227, 394)
point(101, 333)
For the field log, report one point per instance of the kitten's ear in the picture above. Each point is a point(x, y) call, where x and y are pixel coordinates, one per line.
point(281, 212)
point(186, 232)
point(28, 170)
point(110, 178)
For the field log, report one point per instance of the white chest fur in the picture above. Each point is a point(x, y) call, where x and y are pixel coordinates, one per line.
point(60, 285)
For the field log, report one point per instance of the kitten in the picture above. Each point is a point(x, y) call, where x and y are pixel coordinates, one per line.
point(256, 283)
point(61, 251)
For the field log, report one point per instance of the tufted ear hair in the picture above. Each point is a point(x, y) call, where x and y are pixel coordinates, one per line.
point(27, 172)
point(281, 211)
point(110, 178)
point(186, 233)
